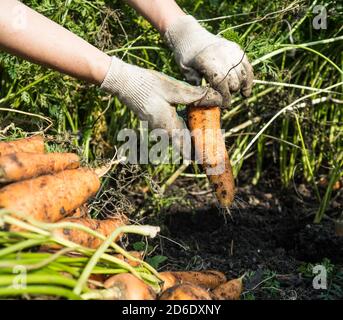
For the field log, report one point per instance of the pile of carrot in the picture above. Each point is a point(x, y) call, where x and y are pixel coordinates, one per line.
point(50, 187)
point(199, 285)
point(178, 285)
point(53, 188)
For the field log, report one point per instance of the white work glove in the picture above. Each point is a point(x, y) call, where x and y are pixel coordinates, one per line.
point(153, 95)
point(201, 53)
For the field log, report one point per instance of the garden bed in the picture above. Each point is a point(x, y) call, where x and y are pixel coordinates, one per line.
point(270, 235)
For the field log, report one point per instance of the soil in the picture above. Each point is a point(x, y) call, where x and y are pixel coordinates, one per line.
point(268, 234)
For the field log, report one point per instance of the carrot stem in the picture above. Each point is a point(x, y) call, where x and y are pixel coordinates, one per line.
point(20, 246)
point(142, 230)
point(40, 290)
point(7, 280)
point(70, 225)
point(45, 234)
point(41, 263)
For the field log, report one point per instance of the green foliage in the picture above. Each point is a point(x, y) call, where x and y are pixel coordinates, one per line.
point(268, 283)
point(335, 290)
point(156, 261)
point(139, 246)
point(306, 269)
point(60, 274)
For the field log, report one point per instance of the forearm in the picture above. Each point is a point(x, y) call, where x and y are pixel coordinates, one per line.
point(28, 34)
point(161, 13)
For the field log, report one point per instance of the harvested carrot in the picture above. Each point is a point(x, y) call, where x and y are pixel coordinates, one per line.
point(129, 287)
point(169, 280)
point(104, 227)
point(210, 151)
point(185, 291)
point(208, 279)
point(24, 165)
point(33, 144)
point(50, 198)
point(230, 290)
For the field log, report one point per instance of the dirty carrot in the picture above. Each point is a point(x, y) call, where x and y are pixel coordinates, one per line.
point(129, 287)
point(50, 198)
point(185, 291)
point(33, 144)
point(169, 280)
point(230, 290)
point(104, 227)
point(210, 151)
point(208, 279)
point(24, 165)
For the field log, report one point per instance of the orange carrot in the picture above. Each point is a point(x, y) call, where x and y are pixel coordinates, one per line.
point(128, 287)
point(50, 198)
point(33, 144)
point(104, 227)
point(186, 291)
point(230, 290)
point(169, 280)
point(24, 165)
point(208, 279)
point(210, 150)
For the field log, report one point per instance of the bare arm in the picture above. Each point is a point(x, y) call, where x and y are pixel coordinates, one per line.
point(150, 94)
point(26, 33)
point(161, 13)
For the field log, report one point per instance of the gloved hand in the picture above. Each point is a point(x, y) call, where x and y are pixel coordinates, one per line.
point(200, 53)
point(152, 95)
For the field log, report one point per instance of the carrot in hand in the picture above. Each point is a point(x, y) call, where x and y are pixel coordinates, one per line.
point(33, 144)
point(23, 165)
point(210, 151)
point(104, 227)
point(50, 198)
point(186, 291)
point(208, 279)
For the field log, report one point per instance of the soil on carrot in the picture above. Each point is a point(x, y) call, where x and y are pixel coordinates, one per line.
point(269, 235)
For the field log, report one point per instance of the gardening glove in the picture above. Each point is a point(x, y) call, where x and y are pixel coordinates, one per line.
point(152, 95)
point(200, 53)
